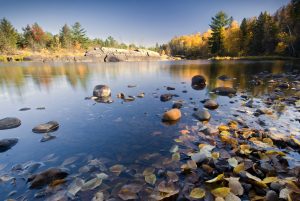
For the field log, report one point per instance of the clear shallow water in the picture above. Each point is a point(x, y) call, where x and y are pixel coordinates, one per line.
point(122, 133)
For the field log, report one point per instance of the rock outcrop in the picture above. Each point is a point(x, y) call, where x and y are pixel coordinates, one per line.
point(106, 54)
point(103, 54)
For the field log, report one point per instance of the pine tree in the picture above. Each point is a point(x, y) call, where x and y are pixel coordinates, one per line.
point(244, 37)
point(65, 37)
point(8, 36)
point(218, 25)
point(79, 35)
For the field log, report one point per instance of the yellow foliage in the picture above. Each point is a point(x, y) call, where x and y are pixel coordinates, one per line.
point(232, 39)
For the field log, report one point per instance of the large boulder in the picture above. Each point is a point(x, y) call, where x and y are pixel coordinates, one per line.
point(224, 91)
point(46, 177)
point(198, 82)
point(9, 122)
point(46, 127)
point(172, 115)
point(102, 91)
point(6, 144)
point(202, 115)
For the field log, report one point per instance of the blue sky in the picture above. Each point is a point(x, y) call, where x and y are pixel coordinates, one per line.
point(138, 21)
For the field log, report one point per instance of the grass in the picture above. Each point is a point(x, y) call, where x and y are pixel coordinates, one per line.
point(44, 53)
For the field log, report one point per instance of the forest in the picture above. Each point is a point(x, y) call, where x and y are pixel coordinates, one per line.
point(267, 34)
point(35, 38)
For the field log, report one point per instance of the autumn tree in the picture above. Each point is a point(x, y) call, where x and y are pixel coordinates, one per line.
point(39, 36)
point(218, 25)
point(232, 39)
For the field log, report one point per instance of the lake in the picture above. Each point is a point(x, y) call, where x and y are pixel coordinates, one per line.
point(127, 133)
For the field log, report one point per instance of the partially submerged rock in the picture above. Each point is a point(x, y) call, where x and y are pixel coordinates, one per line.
point(9, 122)
point(46, 177)
point(121, 95)
point(102, 91)
point(198, 82)
point(46, 128)
point(6, 144)
point(166, 97)
point(224, 91)
point(177, 105)
point(211, 104)
point(202, 115)
point(172, 115)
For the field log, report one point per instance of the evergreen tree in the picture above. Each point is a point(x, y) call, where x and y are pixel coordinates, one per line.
point(218, 25)
point(65, 37)
point(244, 37)
point(8, 36)
point(264, 35)
point(79, 35)
point(258, 35)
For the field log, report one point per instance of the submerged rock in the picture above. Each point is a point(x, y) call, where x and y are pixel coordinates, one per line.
point(198, 82)
point(249, 104)
point(47, 127)
point(46, 177)
point(202, 115)
point(6, 144)
point(104, 100)
point(166, 97)
point(172, 115)
point(170, 88)
point(9, 122)
point(47, 137)
point(141, 95)
point(224, 78)
point(128, 99)
point(102, 91)
point(177, 105)
point(24, 109)
point(211, 104)
point(224, 91)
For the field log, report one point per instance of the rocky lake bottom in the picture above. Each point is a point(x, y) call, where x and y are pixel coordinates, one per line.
point(171, 130)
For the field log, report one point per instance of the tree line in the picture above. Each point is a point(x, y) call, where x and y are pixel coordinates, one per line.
point(277, 34)
point(34, 38)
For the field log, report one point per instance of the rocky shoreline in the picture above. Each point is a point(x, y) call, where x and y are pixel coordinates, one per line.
point(103, 54)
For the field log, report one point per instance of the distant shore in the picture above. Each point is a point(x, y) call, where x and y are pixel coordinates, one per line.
point(256, 58)
point(103, 54)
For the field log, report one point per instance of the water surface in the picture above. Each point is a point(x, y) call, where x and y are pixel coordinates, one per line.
point(121, 132)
